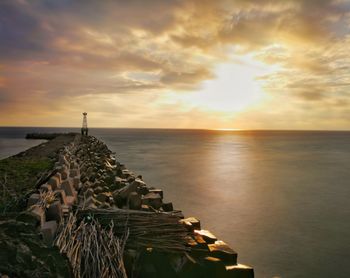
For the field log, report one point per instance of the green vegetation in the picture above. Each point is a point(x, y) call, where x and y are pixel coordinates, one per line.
point(18, 176)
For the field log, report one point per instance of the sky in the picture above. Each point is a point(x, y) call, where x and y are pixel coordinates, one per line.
point(237, 64)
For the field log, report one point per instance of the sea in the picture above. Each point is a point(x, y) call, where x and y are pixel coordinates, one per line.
point(281, 199)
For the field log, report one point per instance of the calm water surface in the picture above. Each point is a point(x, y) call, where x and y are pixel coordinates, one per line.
point(280, 199)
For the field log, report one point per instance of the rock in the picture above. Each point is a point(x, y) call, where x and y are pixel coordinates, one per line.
point(48, 231)
point(207, 236)
point(54, 212)
point(33, 199)
point(167, 207)
point(152, 199)
point(134, 201)
point(221, 250)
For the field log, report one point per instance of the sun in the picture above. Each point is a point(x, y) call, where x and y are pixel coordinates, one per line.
point(235, 88)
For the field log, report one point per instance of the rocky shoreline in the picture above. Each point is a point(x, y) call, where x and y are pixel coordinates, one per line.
point(90, 193)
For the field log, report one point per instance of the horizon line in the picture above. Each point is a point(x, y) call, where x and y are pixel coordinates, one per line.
point(207, 129)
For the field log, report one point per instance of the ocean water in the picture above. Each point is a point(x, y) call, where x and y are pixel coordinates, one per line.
point(280, 199)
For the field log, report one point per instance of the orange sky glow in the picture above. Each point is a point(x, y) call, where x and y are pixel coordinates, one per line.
point(240, 64)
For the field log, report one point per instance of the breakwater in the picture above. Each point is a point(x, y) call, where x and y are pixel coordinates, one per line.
point(90, 194)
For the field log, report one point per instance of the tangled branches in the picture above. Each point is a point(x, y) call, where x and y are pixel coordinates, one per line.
point(93, 251)
point(161, 231)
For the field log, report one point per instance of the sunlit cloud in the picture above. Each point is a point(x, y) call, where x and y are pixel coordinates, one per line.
point(187, 64)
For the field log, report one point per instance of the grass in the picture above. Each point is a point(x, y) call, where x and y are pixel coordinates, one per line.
point(18, 176)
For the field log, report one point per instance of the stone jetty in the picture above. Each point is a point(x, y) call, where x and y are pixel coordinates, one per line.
point(89, 193)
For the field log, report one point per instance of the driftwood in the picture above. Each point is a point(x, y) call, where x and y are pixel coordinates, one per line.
point(93, 251)
point(156, 230)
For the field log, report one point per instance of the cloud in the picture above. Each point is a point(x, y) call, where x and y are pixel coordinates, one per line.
point(54, 52)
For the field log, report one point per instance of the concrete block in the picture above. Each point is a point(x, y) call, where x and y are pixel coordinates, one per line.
point(54, 212)
point(88, 193)
point(157, 191)
point(54, 181)
point(126, 190)
point(46, 187)
point(239, 271)
point(48, 231)
point(71, 200)
point(168, 207)
point(37, 213)
point(61, 195)
point(191, 223)
point(88, 201)
point(142, 190)
point(33, 199)
point(134, 201)
point(145, 208)
point(152, 199)
point(207, 236)
point(66, 209)
point(74, 173)
point(103, 197)
point(76, 183)
point(68, 187)
point(98, 189)
point(64, 173)
point(214, 267)
point(58, 176)
point(221, 250)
